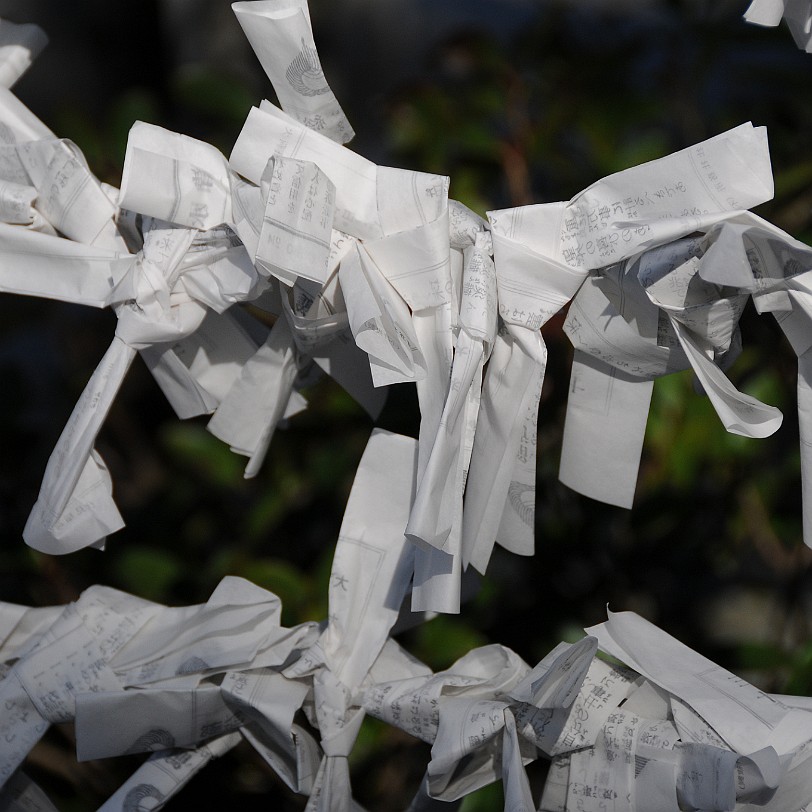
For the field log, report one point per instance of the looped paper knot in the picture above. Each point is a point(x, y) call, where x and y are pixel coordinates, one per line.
point(632, 323)
point(175, 277)
point(153, 305)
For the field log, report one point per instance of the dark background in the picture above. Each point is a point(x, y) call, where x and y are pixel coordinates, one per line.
point(518, 102)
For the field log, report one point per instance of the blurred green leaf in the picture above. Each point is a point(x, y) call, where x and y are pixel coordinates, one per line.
point(201, 89)
point(487, 799)
point(292, 586)
point(444, 639)
point(202, 453)
point(148, 572)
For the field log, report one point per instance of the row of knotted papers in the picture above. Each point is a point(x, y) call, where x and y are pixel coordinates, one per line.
point(661, 729)
point(375, 276)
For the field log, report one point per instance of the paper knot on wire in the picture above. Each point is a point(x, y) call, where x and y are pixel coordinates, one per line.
point(753, 257)
point(161, 295)
point(650, 312)
point(670, 308)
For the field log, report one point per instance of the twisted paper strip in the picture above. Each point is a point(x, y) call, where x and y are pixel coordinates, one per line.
point(281, 35)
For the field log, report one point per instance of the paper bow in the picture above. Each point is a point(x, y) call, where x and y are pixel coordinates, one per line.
point(631, 323)
point(467, 712)
point(621, 339)
point(756, 258)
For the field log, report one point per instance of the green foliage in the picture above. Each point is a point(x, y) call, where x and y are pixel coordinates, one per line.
point(443, 640)
point(484, 800)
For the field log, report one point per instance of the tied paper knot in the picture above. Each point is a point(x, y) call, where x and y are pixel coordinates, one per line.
point(153, 304)
point(176, 277)
point(164, 296)
point(494, 750)
point(756, 258)
point(42, 685)
point(476, 740)
point(531, 286)
point(448, 429)
point(630, 323)
point(470, 712)
point(180, 680)
point(339, 724)
point(369, 578)
point(497, 737)
point(199, 673)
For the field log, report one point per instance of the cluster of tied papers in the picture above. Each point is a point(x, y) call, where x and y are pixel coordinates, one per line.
point(376, 277)
point(373, 275)
point(654, 727)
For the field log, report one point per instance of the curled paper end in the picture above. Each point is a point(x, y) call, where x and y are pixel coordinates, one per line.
point(88, 517)
point(282, 38)
point(20, 44)
point(796, 13)
point(758, 776)
point(768, 422)
point(557, 679)
point(765, 12)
